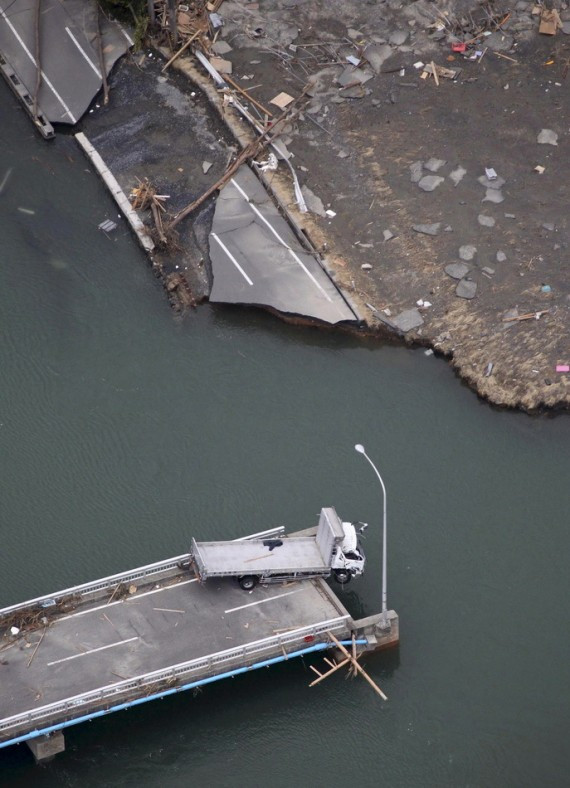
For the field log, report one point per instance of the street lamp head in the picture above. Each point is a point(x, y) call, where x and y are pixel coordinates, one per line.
point(360, 448)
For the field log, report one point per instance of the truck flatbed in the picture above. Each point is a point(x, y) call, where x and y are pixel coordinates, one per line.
point(247, 557)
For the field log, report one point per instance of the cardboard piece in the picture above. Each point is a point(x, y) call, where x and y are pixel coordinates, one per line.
point(549, 22)
point(282, 100)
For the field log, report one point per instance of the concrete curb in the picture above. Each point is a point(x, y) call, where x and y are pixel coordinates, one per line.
point(120, 197)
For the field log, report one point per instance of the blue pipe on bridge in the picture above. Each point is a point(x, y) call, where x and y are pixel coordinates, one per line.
point(208, 680)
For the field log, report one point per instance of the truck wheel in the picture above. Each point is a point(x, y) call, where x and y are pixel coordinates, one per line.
point(342, 576)
point(247, 582)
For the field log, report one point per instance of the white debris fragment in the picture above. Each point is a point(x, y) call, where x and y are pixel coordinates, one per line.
point(491, 174)
point(419, 64)
point(330, 214)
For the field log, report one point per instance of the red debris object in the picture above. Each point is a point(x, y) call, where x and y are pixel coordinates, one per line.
point(459, 46)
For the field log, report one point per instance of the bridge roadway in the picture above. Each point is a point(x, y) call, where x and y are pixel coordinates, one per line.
point(95, 651)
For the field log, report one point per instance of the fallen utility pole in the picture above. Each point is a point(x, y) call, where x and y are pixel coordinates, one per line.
point(250, 151)
point(182, 49)
point(357, 667)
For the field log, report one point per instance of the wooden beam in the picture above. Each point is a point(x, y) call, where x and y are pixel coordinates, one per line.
point(328, 673)
point(361, 670)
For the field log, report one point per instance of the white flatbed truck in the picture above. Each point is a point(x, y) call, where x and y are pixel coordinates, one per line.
point(269, 559)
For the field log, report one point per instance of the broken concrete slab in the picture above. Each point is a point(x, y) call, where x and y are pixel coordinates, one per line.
point(376, 55)
point(433, 165)
point(466, 288)
point(388, 235)
point(408, 320)
point(398, 37)
point(457, 270)
point(416, 170)
point(496, 183)
point(221, 47)
point(314, 203)
point(467, 252)
point(456, 175)
point(501, 257)
point(430, 182)
point(206, 166)
point(221, 65)
point(351, 75)
point(257, 259)
point(547, 137)
point(427, 229)
point(486, 221)
point(493, 195)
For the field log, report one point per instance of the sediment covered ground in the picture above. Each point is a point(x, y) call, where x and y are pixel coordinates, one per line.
point(428, 246)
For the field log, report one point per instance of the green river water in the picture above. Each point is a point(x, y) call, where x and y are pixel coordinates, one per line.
point(125, 430)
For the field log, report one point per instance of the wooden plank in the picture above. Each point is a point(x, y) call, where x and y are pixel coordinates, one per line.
point(361, 670)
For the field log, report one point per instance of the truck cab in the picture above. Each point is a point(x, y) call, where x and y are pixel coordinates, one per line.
point(348, 558)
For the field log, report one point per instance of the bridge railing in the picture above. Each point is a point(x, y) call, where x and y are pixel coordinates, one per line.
point(175, 675)
point(130, 576)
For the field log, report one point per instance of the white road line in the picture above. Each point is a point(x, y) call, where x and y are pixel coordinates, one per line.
point(261, 601)
point(232, 258)
point(120, 601)
point(44, 77)
point(165, 588)
point(281, 241)
point(126, 35)
point(93, 650)
point(83, 52)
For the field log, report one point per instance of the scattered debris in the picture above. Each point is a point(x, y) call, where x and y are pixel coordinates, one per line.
point(467, 252)
point(527, 316)
point(282, 100)
point(269, 164)
point(549, 22)
point(388, 235)
point(489, 369)
point(440, 71)
point(427, 229)
point(495, 183)
point(486, 221)
point(539, 168)
point(488, 271)
point(314, 203)
point(547, 137)
point(466, 289)
point(206, 165)
point(457, 175)
point(107, 226)
point(416, 171)
point(563, 367)
point(457, 270)
point(501, 257)
point(430, 182)
point(221, 65)
point(494, 196)
point(408, 320)
point(491, 174)
point(433, 165)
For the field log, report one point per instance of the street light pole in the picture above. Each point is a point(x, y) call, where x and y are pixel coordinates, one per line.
point(361, 450)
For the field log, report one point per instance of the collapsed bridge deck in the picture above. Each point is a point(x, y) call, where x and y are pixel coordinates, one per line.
point(103, 646)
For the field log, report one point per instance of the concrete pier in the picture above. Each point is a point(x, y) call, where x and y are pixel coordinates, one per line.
point(46, 747)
